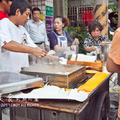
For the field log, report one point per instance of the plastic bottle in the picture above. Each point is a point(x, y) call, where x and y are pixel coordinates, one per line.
point(76, 47)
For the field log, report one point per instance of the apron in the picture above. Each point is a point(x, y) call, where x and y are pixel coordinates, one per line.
point(62, 42)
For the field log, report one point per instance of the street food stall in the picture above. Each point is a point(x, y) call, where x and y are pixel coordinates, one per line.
point(75, 101)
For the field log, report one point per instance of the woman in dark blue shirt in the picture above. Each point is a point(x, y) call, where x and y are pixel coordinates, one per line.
point(58, 38)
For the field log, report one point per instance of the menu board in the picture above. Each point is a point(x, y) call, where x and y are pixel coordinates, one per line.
point(49, 24)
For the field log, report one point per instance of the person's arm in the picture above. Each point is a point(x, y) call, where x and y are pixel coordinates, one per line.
point(111, 66)
point(76, 41)
point(113, 60)
point(89, 49)
point(70, 39)
point(59, 49)
point(105, 40)
point(16, 47)
point(87, 46)
point(52, 58)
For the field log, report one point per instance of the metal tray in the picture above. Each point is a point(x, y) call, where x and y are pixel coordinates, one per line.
point(12, 82)
point(60, 75)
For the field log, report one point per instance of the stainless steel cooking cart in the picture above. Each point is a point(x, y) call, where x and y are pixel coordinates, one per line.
point(96, 107)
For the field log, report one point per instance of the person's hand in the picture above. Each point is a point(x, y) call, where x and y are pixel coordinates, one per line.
point(76, 41)
point(93, 48)
point(73, 47)
point(47, 48)
point(38, 52)
point(103, 42)
point(52, 58)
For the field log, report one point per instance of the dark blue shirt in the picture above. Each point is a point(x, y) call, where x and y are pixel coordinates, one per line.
point(53, 39)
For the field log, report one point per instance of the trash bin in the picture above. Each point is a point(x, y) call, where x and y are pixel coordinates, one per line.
point(6, 114)
point(113, 110)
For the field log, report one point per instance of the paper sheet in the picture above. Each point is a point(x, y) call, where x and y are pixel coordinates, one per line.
point(52, 92)
point(73, 57)
point(86, 58)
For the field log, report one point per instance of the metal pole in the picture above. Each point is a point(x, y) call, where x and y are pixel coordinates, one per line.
point(59, 7)
point(101, 14)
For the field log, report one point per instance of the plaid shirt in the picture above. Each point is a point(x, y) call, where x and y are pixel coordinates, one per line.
point(90, 41)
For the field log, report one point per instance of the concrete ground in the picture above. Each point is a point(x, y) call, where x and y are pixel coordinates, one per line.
point(113, 112)
point(114, 96)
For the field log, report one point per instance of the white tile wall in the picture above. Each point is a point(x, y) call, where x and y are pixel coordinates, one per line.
point(40, 7)
point(42, 4)
point(43, 8)
point(44, 12)
point(39, 3)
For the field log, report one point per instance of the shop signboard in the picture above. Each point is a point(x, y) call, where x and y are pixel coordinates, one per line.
point(49, 19)
point(49, 11)
point(49, 24)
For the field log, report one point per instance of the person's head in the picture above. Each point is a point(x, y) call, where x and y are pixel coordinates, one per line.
point(95, 29)
point(21, 9)
point(60, 22)
point(6, 5)
point(36, 14)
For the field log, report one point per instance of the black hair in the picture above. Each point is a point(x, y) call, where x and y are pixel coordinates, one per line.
point(64, 20)
point(93, 25)
point(36, 9)
point(6, 0)
point(19, 4)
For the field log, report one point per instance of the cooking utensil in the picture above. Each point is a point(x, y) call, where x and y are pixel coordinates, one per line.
point(104, 50)
point(59, 75)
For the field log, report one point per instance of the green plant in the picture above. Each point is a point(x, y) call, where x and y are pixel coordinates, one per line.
point(110, 37)
point(81, 34)
point(114, 8)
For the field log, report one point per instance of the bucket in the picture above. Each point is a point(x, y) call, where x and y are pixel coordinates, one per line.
point(104, 50)
point(113, 110)
point(6, 114)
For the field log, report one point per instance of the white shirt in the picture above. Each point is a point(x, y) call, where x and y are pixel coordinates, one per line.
point(13, 61)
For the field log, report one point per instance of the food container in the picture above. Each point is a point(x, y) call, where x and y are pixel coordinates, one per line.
point(60, 75)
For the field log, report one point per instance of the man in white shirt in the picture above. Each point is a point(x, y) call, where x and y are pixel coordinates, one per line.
point(37, 31)
point(15, 43)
